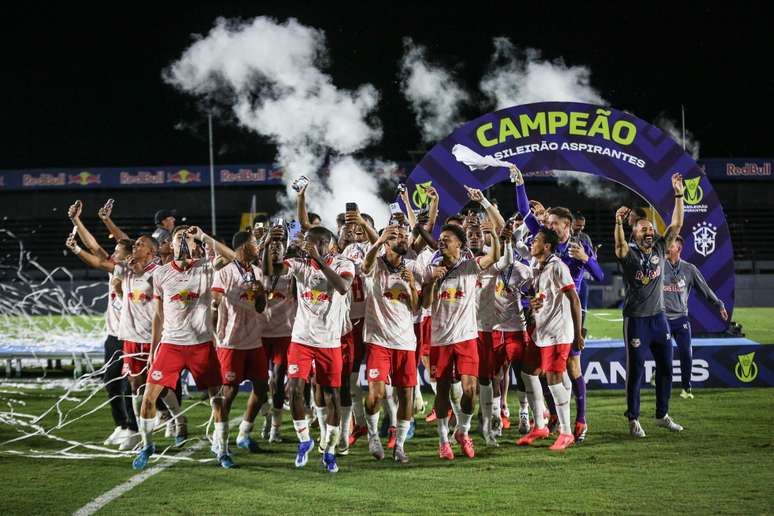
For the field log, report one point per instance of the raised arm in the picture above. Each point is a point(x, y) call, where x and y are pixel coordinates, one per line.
point(677, 213)
point(410, 215)
point(354, 217)
point(493, 255)
point(104, 215)
point(491, 210)
point(223, 250)
point(621, 244)
point(74, 212)
point(303, 217)
point(95, 262)
point(371, 255)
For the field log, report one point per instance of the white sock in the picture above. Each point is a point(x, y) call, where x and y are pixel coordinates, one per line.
point(496, 407)
point(302, 429)
point(403, 428)
point(136, 404)
point(358, 410)
point(276, 417)
point(561, 397)
point(372, 422)
point(464, 425)
point(321, 416)
point(535, 396)
point(443, 429)
point(220, 437)
point(346, 418)
point(333, 438)
point(170, 400)
point(566, 381)
point(523, 401)
point(245, 427)
point(455, 396)
point(145, 426)
point(418, 400)
point(392, 405)
point(486, 400)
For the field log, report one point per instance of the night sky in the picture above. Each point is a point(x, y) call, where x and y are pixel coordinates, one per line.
point(83, 87)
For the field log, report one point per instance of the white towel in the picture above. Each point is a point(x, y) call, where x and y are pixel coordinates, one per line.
point(475, 161)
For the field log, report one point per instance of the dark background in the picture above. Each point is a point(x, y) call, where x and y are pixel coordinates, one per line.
point(82, 87)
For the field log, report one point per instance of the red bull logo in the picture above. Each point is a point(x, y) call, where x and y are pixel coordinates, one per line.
point(138, 297)
point(397, 295)
point(85, 178)
point(501, 290)
point(451, 295)
point(316, 297)
point(184, 297)
point(184, 176)
point(248, 296)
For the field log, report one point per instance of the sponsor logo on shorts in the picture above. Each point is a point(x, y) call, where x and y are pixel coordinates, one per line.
point(635, 343)
point(156, 375)
point(230, 376)
point(746, 370)
point(292, 368)
point(373, 373)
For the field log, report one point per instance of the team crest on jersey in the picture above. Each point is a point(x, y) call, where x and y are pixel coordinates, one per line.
point(451, 295)
point(185, 297)
point(396, 295)
point(635, 343)
point(230, 376)
point(292, 368)
point(156, 375)
point(373, 373)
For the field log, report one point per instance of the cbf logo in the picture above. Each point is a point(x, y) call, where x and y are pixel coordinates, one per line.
point(704, 238)
point(746, 370)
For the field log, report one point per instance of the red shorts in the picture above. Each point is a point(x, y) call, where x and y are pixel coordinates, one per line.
point(238, 365)
point(508, 346)
point(549, 359)
point(347, 352)
point(454, 360)
point(426, 337)
point(360, 346)
point(327, 362)
point(486, 356)
point(276, 349)
point(391, 365)
point(136, 364)
point(200, 359)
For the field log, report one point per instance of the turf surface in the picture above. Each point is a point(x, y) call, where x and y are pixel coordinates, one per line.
point(721, 463)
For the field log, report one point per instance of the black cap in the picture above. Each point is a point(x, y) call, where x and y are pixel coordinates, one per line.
point(163, 214)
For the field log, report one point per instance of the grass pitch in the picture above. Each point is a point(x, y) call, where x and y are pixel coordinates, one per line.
point(722, 463)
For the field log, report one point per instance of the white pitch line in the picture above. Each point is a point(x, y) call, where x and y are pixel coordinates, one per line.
point(121, 489)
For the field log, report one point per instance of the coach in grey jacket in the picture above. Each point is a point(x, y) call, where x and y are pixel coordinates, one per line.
point(680, 277)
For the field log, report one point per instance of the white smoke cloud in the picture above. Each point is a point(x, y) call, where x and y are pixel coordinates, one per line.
point(515, 78)
point(691, 144)
point(435, 96)
point(272, 75)
point(594, 187)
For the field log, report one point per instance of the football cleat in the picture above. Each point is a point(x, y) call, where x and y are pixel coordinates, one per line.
point(142, 458)
point(533, 435)
point(302, 457)
point(635, 429)
point(668, 423)
point(562, 442)
point(466, 443)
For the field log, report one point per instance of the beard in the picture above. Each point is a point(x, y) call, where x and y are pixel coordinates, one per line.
point(400, 249)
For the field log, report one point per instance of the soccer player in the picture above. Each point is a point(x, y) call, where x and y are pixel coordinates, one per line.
point(182, 334)
point(323, 281)
point(579, 258)
point(449, 286)
point(680, 278)
point(117, 388)
point(509, 332)
point(392, 302)
point(645, 323)
point(238, 296)
point(557, 328)
point(277, 327)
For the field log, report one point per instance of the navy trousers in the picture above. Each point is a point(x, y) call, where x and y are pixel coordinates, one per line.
point(681, 332)
point(641, 334)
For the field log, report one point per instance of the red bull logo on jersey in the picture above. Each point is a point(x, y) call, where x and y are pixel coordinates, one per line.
point(185, 297)
point(248, 296)
point(501, 290)
point(397, 295)
point(650, 276)
point(138, 297)
point(451, 295)
point(276, 295)
point(316, 297)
